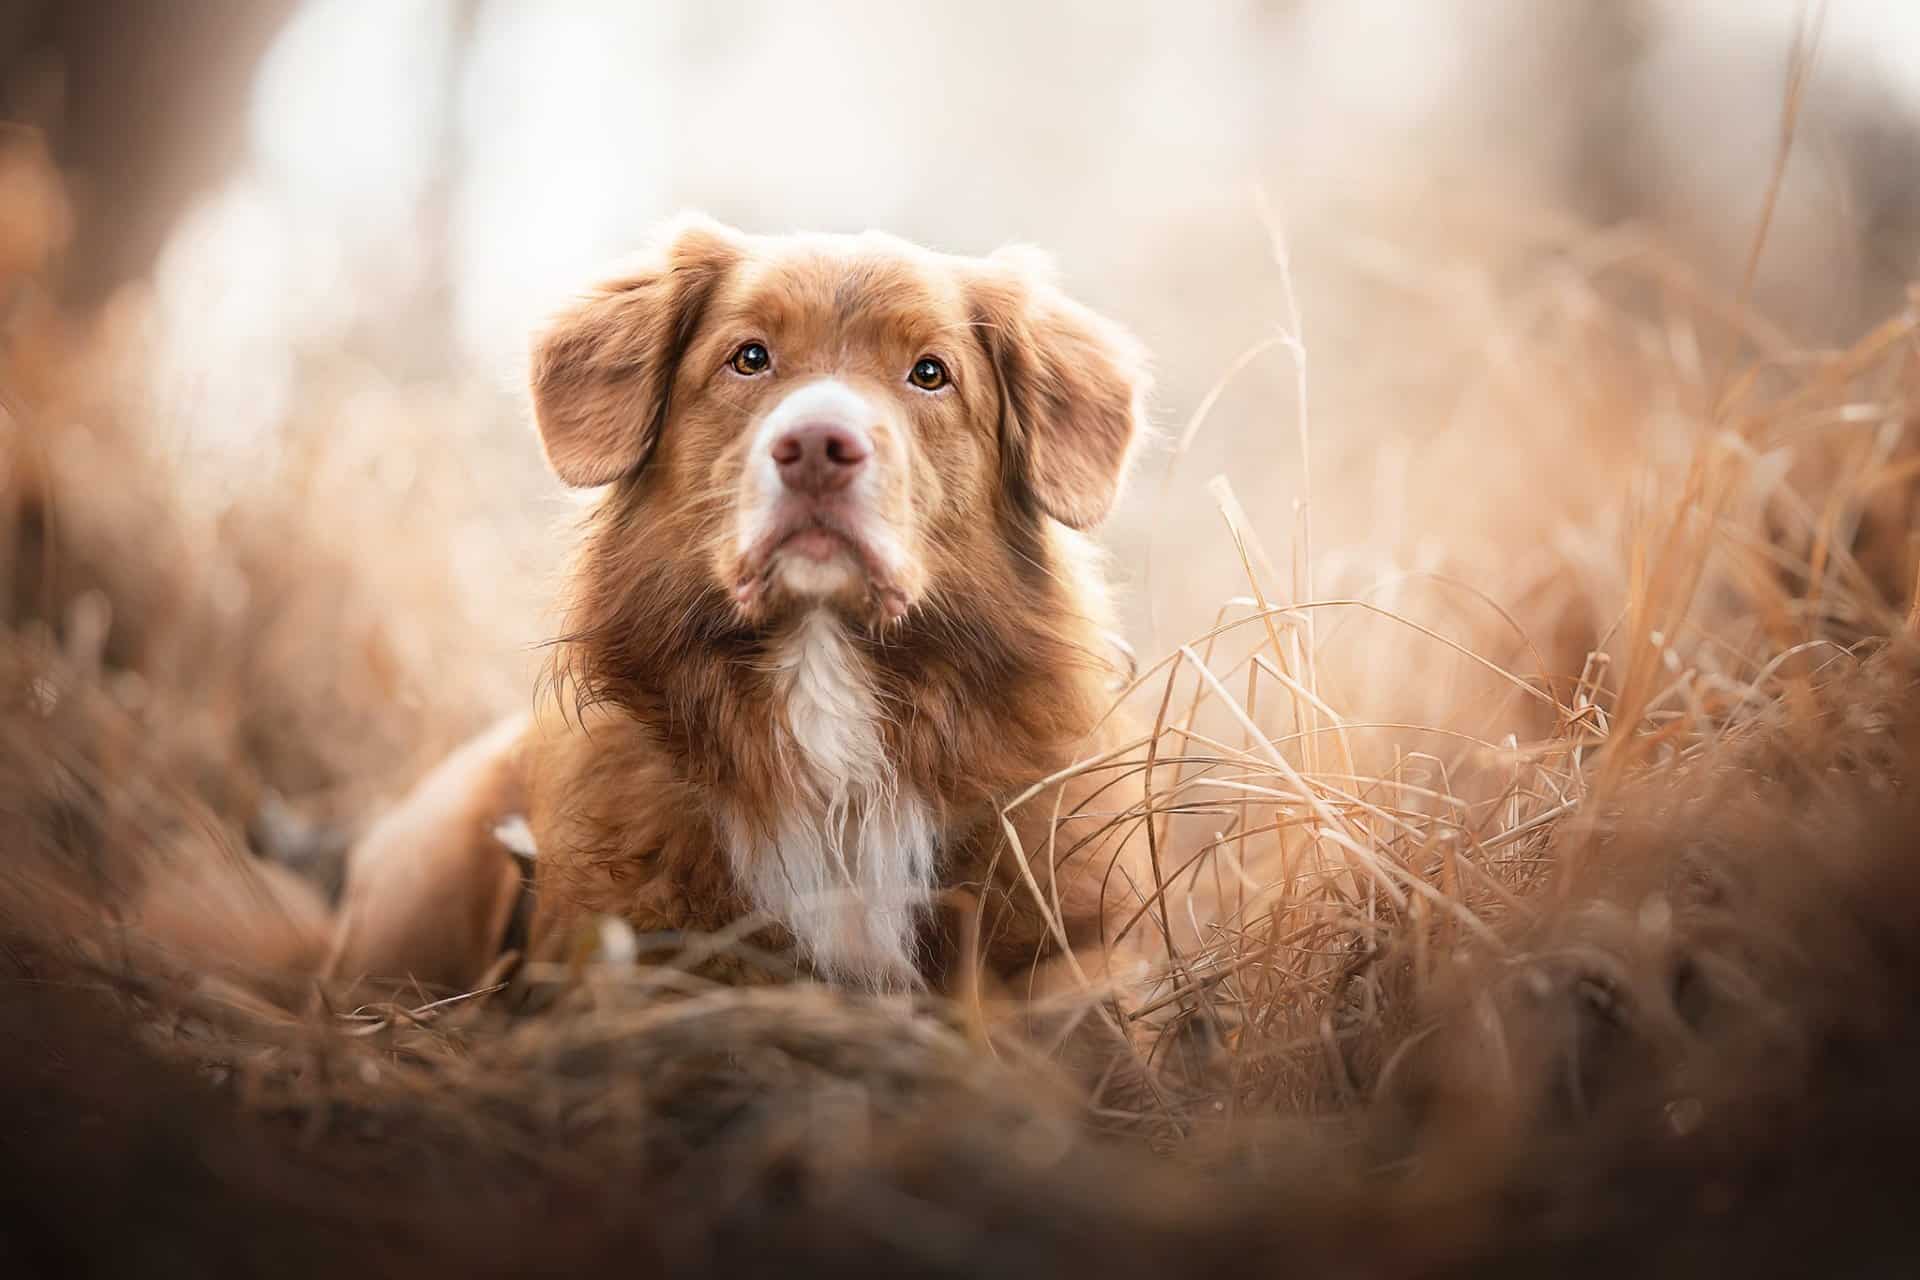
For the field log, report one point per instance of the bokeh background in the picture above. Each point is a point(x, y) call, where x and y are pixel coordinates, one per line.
point(1538, 881)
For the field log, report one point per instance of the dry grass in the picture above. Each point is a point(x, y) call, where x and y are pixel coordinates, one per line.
point(1532, 899)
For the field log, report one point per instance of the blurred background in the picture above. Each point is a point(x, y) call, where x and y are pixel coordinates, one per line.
point(1601, 533)
point(315, 234)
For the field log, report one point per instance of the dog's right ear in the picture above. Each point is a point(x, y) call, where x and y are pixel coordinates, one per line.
point(603, 369)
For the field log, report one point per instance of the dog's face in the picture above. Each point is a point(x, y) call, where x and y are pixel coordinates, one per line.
point(853, 423)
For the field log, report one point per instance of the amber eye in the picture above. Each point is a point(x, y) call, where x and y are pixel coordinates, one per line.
point(928, 374)
point(750, 359)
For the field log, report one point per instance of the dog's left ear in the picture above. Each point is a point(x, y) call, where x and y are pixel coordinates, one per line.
point(603, 369)
point(1073, 388)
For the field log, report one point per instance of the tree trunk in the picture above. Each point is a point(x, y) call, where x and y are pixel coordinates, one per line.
point(143, 106)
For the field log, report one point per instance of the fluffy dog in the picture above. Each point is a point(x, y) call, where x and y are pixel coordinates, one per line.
point(832, 609)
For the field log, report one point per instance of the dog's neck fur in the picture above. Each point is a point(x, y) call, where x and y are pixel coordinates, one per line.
point(836, 766)
point(848, 862)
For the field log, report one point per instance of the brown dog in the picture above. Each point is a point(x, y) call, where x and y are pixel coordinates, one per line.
point(831, 612)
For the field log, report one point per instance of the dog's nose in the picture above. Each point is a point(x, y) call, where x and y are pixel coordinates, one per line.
point(818, 457)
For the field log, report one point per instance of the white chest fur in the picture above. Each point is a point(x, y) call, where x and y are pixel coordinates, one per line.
point(849, 869)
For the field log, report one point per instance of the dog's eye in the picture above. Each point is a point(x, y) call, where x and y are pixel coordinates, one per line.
point(928, 374)
point(750, 359)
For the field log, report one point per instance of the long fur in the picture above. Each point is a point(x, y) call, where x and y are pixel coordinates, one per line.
point(850, 870)
point(840, 763)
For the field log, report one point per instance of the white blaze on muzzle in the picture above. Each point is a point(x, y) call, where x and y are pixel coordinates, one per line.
point(819, 460)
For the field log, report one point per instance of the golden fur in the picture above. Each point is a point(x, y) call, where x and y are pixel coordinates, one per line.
point(704, 708)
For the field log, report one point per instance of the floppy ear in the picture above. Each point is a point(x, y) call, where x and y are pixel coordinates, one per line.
point(1073, 389)
point(603, 369)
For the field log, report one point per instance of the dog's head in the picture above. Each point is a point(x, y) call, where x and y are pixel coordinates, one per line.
point(798, 422)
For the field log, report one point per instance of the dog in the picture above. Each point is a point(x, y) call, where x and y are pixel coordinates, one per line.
point(833, 606)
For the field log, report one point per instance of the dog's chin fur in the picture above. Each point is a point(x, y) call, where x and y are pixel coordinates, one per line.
point(807, 580)
point(781, 587)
